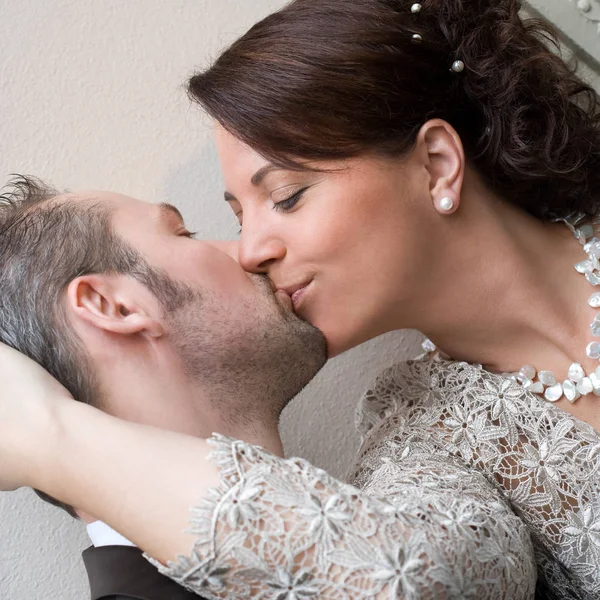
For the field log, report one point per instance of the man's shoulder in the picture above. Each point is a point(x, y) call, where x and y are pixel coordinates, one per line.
point(122, 572)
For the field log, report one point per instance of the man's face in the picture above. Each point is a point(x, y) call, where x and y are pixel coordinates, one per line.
point(233, 334)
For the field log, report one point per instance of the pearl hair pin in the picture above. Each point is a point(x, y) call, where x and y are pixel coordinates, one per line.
point(415, 9)
point(458, 66)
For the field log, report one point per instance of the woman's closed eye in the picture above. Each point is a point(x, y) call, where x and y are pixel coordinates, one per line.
point(285, 205)
point(290, 201)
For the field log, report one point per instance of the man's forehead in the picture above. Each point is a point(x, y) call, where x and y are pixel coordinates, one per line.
point(100, 195)
point(120, 204)
point(124, 208)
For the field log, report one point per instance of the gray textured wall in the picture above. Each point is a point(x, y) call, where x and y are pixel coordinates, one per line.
point(91, 97)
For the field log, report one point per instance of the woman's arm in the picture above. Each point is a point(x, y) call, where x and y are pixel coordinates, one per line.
point(139, 479)
point(261, 523)
point(123, 473)
point(261, 526)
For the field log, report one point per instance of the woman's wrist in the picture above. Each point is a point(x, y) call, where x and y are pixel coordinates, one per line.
point(63, 438)
point(92, 460)
point(30, 435)
point(47, 443)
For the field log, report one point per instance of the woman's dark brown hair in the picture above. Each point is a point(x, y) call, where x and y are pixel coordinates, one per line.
point(329, 79)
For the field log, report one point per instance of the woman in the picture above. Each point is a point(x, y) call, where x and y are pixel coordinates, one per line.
point(425, 158)
point(412, 165)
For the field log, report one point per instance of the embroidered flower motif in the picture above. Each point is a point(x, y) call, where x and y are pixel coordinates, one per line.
point(469, 430)
point(543, 462)
point(584, 528)
point(399, 570)
point(292, 587)
point(548, 459)
point(592, 448)
point(327, 520)
point(504, 397)
point(460, 518)
point(204, 575)
point(241, 507)
point(465, 426)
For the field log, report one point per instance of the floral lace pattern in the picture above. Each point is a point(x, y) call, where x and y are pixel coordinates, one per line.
point(544, 462)
point(421, 522)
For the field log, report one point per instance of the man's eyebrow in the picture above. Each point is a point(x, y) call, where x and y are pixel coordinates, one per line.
point(167, 209)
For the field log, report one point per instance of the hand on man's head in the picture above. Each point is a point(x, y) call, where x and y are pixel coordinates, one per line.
point(28, 399)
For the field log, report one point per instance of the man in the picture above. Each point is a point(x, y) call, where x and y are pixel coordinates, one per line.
point(116, 300)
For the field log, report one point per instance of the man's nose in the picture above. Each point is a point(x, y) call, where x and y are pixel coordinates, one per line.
point(230, 248)
point(256, 253)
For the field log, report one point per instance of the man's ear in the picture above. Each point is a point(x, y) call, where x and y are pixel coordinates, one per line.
point(114, 303)
point(445, 159)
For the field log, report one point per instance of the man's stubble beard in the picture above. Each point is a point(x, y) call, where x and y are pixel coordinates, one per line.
point(249, 369)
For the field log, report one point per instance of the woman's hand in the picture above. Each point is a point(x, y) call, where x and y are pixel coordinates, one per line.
point(29, 396)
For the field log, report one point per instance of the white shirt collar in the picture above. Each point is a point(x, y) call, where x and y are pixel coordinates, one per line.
point(103, 535)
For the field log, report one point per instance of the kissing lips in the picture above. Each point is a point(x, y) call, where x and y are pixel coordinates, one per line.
point(284, 298)
point(296, 292)
point(298, 295)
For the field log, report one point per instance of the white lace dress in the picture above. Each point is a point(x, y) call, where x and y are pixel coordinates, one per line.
point(466, 486)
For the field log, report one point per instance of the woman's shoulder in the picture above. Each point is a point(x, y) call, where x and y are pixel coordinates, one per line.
point(422, 382)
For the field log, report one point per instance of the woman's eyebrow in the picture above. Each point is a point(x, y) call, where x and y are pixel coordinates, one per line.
point(258, 177)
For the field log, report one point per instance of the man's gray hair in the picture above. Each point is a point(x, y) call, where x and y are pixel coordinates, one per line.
point(44, 245)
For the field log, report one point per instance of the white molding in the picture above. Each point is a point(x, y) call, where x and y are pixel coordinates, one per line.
point(578, 21)
point(590, 9)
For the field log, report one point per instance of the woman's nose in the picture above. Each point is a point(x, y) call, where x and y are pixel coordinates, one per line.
point(257, 253)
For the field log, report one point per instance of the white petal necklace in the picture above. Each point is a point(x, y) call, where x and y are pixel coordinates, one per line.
point(578, 382)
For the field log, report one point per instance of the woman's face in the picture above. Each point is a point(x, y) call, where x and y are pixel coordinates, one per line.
point(343, 244)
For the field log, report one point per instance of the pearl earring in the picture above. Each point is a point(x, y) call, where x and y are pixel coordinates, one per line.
point(446, 204)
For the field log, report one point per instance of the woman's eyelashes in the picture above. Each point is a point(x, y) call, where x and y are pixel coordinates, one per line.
point(283, 205)
point(290, 201)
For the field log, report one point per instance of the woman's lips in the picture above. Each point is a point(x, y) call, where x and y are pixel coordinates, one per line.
point(298, 296)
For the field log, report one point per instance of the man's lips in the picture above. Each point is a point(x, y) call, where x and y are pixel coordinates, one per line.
point(295, 292)
point(284, 299)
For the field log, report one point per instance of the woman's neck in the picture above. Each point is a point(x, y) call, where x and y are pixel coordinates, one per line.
point(508, 294)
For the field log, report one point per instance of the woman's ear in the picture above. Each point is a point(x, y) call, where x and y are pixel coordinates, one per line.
point(114, 303)
point(445, 162)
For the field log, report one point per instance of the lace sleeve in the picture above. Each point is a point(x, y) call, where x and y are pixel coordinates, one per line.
point(286, 530)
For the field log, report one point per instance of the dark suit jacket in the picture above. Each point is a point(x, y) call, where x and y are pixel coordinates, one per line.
point(122, 573)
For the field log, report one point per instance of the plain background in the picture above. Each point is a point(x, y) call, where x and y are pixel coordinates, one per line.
point(92, 97)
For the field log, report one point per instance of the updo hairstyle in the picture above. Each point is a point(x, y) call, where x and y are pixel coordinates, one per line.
point(333, 79)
